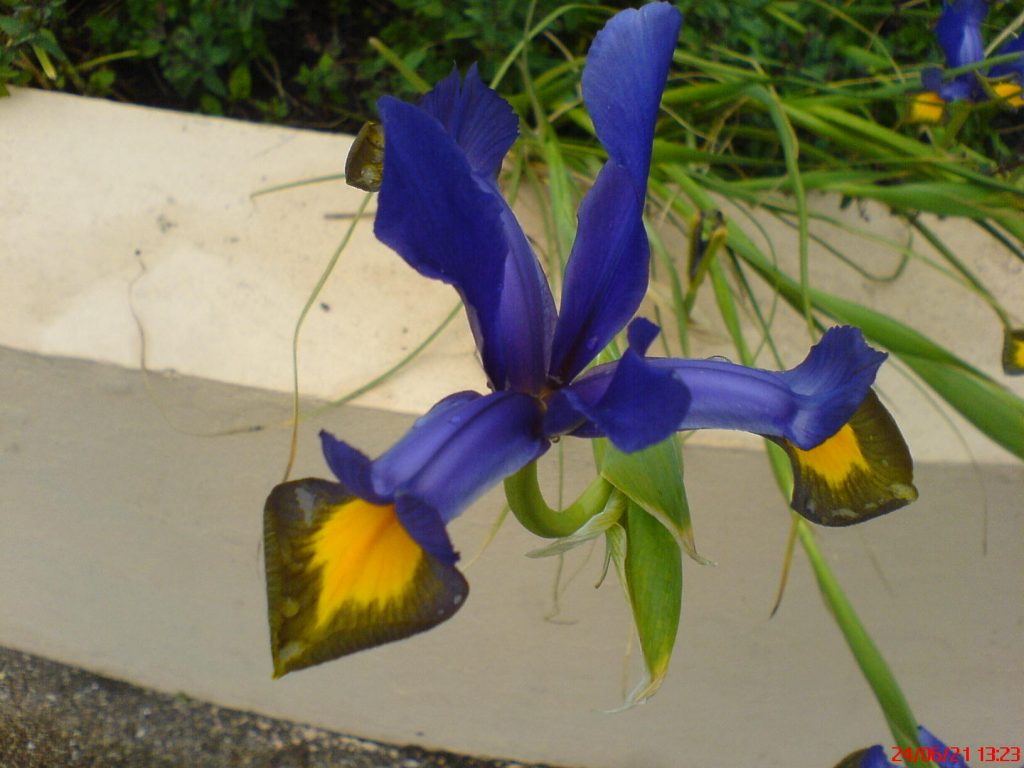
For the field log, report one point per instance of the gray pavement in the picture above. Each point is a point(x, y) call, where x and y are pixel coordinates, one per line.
point(56, 716)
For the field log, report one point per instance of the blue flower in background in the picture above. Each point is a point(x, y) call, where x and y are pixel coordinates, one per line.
point(1012, 88)
point(932, 750)
point(959, 34)
point(368, 560)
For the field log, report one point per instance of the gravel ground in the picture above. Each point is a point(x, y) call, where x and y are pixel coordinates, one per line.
point(56, 716)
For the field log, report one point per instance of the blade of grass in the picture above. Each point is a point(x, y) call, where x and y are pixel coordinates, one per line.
point(302, 318)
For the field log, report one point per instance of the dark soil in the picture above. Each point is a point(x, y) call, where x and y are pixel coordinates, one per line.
point(56, 716)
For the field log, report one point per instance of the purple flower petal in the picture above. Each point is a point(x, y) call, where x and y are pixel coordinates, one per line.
point(450, 222)
point(952, 759)
point(805, 405)
point(1015, 67)
point(962, 88)
point(830, 384)
point(526, 314)
point(428, 434)
point(959, 32)
point(477, 118)
point(640, 406)
point(424, 524)
point(441, 220)
point(463, 446)
point(606, 275)
point(350, 466)
point(623, 79)
point(641, 334)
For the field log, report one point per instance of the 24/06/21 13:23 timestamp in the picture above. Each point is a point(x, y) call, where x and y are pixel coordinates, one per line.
point(985, 754)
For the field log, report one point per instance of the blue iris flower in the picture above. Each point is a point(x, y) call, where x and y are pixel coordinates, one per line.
point(440, 208)
point(959, 33)
point(1012, 89)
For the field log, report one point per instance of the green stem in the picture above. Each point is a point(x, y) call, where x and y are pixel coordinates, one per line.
point(876, 671)
point(528, 505)
point(302, 319)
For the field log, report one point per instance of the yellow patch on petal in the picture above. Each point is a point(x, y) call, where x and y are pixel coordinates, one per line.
point(1013, 352)
point(1011, 92)
point(344, 575)
point(862, 471)
point(835, 459)
point(364, 555)
point(926, 107)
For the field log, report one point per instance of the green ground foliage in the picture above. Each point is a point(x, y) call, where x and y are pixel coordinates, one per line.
point(322, 63)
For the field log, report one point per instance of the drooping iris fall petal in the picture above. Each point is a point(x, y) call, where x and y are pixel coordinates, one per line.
point(368, 560)
point(462, 446)
point(804, 405)
point(343, 574)
point(850, 462)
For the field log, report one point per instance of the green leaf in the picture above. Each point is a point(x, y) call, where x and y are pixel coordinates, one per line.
point(653, 570)
point(14, 27)
point(150, 48)
point(994, 410)
point(894, 704)
point(594, 527)
point(398, 63)
point(44, 61)
point(653, 478)
point(210, 104)
point(240, 83)
point(101, 81)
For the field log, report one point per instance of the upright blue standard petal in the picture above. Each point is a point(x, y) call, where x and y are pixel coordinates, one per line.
point(434, 213)
point(959, 34)
point(478, 119)
point(606, 275)
point(607, 272)
point(622, 82)
point(441, 210)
